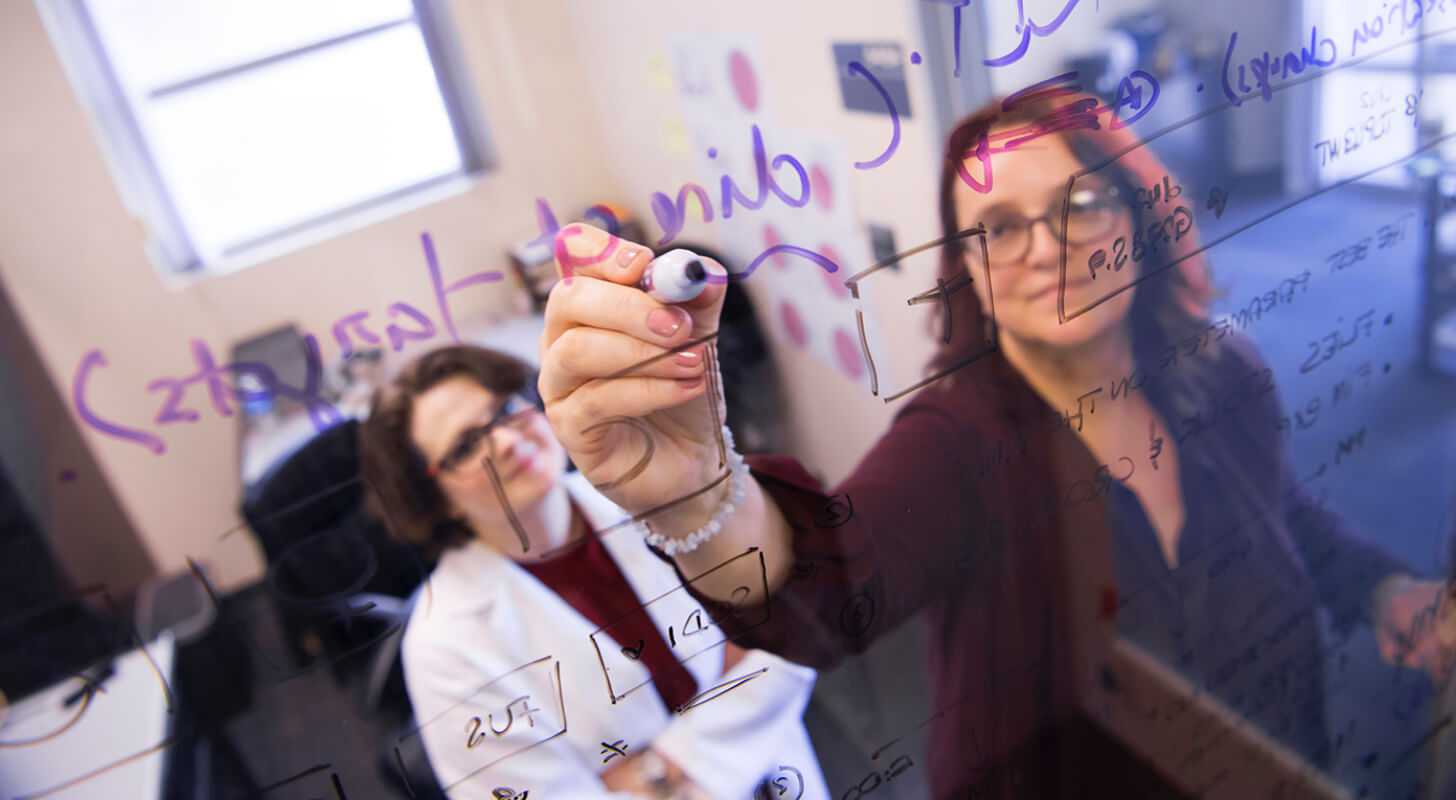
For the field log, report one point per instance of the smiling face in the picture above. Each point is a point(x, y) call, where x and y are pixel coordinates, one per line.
point(524, 451)
point(1030, 182)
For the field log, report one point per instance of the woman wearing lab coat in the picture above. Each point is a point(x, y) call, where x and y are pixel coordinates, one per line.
point(550, 652)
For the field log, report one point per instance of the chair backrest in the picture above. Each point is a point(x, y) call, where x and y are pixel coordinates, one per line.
point(314, 488)
point(405, 768)
point(322, 546)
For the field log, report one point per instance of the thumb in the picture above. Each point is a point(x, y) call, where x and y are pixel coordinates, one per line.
point(707, 308)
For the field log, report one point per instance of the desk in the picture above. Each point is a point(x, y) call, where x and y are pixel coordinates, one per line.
point(1205, 748)
point(116, 748)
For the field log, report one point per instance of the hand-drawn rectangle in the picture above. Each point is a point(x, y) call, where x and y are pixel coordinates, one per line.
point(684, 635)
point(893, 376)
point(487, 719)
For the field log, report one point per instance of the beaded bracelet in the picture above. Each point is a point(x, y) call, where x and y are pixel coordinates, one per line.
point(737, 490)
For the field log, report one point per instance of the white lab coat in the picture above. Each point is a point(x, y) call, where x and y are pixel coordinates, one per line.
point(495, 659)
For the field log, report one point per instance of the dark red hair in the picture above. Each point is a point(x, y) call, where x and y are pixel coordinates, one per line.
point(1165, 308)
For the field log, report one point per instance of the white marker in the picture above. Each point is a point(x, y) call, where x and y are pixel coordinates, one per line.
point(676, 276)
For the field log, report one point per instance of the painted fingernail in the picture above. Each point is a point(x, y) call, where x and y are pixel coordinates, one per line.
point(625, 256)
point(690, 383)
point(666, 321)
point(688, 358)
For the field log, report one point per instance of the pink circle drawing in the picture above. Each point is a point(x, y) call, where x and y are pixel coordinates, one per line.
point(771, 238)
point(745, 83)
point(794, 324)
point(821, 187)
point(834, 280)
point(848, 354)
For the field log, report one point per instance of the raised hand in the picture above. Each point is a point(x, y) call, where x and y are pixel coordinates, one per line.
point(626, 381)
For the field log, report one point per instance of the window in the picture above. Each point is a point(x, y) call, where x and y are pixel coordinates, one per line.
point(235, 125)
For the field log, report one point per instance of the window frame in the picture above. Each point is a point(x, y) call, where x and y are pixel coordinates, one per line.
point(145, 193)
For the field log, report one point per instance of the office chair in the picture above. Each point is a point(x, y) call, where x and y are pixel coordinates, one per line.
point(341, 586)
point(323, 549)
point(405, 769)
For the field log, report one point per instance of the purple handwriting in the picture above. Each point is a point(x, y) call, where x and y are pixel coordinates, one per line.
point(856, 68)
point(1402, 15)
point(1083, 112)
point(407, 323)
point(1027, 29)
point(1410, 14)
point(1266, 66)
point(348, 331)
point(1024, 27)
point(671, 214)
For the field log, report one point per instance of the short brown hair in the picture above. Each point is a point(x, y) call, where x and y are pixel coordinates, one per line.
point(398, 488)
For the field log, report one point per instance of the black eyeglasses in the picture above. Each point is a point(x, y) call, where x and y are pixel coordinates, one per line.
point(515, 413)
point(1092, 214)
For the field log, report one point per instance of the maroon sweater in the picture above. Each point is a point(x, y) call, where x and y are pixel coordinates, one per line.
point(977, 512)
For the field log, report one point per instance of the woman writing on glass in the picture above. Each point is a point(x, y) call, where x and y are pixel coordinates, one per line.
point(983, 505)
point(458, 458)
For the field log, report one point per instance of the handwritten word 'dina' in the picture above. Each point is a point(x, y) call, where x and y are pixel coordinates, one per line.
point(671, 213)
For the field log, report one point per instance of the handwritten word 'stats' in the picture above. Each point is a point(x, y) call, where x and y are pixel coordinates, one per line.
point(671, 212)
point(406, 324)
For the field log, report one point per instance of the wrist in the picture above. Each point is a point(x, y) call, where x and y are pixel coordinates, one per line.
point(685, 526)
point(692, 512)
